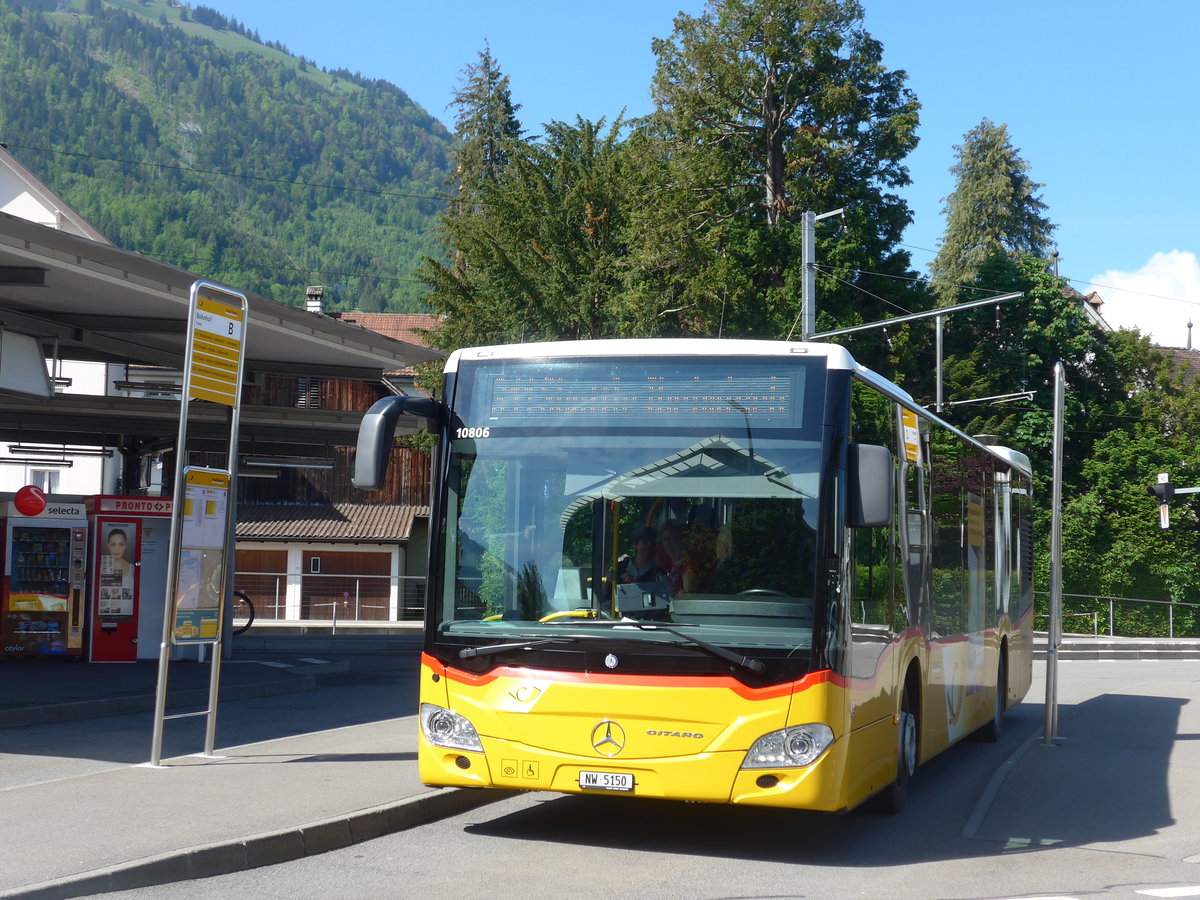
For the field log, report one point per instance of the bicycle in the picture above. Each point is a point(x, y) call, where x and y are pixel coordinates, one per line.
point(243, 612)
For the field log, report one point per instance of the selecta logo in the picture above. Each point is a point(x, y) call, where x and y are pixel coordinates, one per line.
point(30, 500)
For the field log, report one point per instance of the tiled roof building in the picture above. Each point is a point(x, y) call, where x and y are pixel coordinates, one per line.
point(333, 523)
point(310, 545)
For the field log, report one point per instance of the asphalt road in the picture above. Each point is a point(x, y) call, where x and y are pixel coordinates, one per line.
point(982, 821)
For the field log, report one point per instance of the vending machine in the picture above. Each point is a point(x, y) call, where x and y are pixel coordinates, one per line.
point(127, 583)
point(45, 552)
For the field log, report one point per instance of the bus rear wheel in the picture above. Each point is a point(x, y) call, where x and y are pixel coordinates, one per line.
point(994, 728)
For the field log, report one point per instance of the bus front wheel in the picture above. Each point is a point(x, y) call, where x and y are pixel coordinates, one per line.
point(892, 799)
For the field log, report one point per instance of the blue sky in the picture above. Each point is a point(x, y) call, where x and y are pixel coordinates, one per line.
point(1100, 97)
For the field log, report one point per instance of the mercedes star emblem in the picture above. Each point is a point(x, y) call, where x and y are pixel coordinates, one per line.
point(608, 738)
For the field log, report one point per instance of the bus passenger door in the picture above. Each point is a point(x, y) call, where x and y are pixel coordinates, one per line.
point(912, 525)
point(872, 664)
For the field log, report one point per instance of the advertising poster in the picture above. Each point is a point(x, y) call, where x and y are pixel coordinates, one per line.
point(117, 543)
point(200, 572)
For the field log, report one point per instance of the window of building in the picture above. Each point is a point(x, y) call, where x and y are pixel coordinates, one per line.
point(46, 479)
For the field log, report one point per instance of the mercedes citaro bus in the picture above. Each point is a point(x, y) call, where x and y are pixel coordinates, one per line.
point(723, 571)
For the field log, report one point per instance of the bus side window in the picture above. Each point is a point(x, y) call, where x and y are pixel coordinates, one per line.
point(871, 594)
point(912, 530)
point(912, 521)
point(1024, 552)
point(947, 588)
point(872, 422)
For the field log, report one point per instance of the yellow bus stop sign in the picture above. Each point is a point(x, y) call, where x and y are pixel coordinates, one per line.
point(216, 352)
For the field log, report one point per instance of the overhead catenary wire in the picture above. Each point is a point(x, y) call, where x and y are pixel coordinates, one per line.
point(445, 198)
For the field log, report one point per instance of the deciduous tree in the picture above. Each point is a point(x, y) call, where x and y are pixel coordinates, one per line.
point(767, 108)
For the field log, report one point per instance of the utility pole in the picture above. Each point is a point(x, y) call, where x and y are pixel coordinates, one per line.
point(808, 282)
point(938, 349)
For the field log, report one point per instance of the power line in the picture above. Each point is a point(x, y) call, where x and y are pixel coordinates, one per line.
point(439, 198)
point(290, 182)
point(1109, 287)
point(1106, 287)
point(858, 287)
point(392, 275)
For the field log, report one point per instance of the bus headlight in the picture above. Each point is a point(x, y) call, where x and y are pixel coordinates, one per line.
point(444, 728)
point(800, 745)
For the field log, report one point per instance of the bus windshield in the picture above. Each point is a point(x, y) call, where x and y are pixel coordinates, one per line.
point(682, 492)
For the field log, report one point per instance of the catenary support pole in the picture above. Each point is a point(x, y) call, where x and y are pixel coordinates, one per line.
point(808, 275)
point(1054, 631)
point(938, 405)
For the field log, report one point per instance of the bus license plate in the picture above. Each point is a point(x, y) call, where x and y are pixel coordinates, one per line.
point(606, 781)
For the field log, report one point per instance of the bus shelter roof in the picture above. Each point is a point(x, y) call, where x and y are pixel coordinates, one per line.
point(83, 299)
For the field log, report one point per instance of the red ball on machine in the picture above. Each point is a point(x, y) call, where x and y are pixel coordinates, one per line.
point(30, 500)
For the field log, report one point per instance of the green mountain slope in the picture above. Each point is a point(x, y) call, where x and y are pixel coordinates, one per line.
point(180, 136)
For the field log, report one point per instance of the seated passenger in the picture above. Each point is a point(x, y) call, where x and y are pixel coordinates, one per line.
point(690, 563)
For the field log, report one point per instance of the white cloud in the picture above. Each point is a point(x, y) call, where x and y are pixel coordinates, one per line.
point(1159, 299)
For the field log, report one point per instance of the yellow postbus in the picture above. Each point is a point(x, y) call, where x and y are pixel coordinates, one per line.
point(722, 571)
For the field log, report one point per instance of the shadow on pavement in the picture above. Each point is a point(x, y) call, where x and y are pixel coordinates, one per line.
point(1106, 783)
point(75, 711)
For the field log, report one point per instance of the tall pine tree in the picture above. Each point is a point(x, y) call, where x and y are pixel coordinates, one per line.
point(994, 209)
point(486, 126)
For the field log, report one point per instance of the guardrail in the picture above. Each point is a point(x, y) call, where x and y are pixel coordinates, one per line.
point(1129, 616)
point(347, 598)
point(389, 598)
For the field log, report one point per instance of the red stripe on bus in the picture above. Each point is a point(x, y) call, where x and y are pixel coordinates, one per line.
point(812, 679)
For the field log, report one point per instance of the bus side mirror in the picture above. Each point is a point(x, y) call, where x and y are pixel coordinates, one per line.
point(869, 480)
point(376, 432)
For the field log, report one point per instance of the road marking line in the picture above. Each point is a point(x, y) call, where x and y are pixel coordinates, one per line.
point(993, 788)
point(319, 662)
point(1188, 891)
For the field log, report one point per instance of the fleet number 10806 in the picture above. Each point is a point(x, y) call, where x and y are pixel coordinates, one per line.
point(472, 433)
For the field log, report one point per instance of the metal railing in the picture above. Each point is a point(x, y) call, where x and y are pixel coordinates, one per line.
point(1129, 616)
point(368, 598)
point(346, 598)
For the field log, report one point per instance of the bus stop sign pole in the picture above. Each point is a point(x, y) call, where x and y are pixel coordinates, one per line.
point(1054, 631)
point(203, 515)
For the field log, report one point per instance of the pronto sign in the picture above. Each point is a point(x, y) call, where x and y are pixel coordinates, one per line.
point(216, 351)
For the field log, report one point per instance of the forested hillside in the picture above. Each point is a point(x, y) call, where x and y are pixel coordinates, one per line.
point(179, 135)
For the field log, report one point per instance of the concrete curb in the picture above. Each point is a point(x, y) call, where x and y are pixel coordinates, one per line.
point(300, 679)
point(268, 848)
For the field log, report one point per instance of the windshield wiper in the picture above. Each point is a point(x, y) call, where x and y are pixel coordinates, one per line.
point(746, 662)
point(493, 649)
